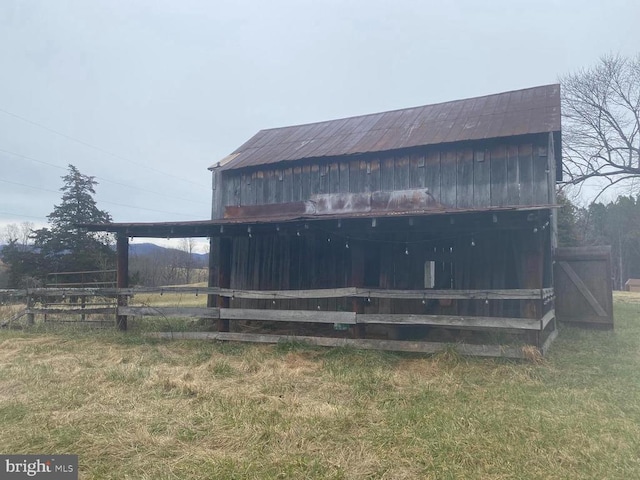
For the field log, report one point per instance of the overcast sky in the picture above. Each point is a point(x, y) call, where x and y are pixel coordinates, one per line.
point(146, 94)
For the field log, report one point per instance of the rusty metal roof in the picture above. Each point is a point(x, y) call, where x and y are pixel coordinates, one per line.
point(520, 112)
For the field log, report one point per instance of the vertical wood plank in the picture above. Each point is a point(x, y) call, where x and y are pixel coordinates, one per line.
point(401, 179)
point(499, 182)
point(416, 170)
point(297, 184)
point(513, 176)
point(525, 165)
point(278, 179)
point(245, 188)
point(306, 182)
point(259, 186)
point(344, 177)
point(324, 178)
point(235, 190)
point(540, 168)
point(268, 187)
point(432, 173)
point(217, 207)
point(482, 178)
point(314, 179)
point(387, 174)
point(287, 185)
point(464, 194)
point(448, 178)
point(355, 177)
point(373, 176)
point(334, 177)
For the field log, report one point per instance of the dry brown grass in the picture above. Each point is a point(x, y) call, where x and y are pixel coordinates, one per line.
point(135, 408)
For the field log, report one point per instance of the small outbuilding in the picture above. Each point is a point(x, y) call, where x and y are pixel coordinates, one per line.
point(632, 285)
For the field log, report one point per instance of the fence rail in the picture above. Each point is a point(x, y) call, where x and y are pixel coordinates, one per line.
point(534, 321)
point(347, 292)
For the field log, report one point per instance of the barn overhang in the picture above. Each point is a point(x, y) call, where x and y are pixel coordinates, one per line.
point(290, 218)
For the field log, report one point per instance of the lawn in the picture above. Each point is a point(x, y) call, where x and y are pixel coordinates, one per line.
point(137, 408)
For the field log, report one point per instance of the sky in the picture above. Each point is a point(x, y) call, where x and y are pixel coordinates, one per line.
point(145, 95)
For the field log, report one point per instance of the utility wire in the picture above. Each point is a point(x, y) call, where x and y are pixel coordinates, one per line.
point(22, 215)
point(94, 147)
point(101, 201)
point(102, 179)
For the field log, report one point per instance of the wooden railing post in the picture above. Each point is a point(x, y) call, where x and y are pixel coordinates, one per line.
point(357, 280)
point(30, 304)
point(224, 278)
point(122, 280)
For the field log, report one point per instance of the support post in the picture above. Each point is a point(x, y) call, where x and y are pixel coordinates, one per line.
point(533, 278)
point(214, 261)
point(224, 278)
point(122, 280)
point(30, 303)
point(357, 280)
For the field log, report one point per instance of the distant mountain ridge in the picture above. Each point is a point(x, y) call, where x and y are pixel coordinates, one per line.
point(151, 249)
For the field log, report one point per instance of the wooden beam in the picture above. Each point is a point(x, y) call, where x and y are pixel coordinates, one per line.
point(302, 316)
point(73, 311)
point(196, 312)
point(289, 294)
point(451, 321)
point(512, 294)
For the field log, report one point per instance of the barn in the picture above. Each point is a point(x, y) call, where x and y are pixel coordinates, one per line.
point(405, 230)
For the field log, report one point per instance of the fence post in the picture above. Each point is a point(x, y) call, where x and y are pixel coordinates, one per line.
point(30, 304)
point(357, 280)
point(122, 281)
point(224, 278)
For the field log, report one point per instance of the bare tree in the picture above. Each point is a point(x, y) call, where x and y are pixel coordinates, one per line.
point(601, 123)
point(20, 234)
point(188, 246)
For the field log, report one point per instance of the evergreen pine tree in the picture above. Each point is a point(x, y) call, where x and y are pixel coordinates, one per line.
point(65, 245)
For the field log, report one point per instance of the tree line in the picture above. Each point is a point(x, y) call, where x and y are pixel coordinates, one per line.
point(616, 223)
point(31, 257)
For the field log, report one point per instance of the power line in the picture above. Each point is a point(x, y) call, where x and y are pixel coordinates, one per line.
point(101, 201)
point(22, 215)
point(99, 149)
point(163, 195)
point(28, 186)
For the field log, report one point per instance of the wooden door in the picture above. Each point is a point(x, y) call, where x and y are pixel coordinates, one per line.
point(583, 286)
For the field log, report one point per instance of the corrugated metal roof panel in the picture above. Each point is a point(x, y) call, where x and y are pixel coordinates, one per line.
point(520, 112)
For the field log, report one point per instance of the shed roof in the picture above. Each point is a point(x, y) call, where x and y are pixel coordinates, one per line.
point(519, 112)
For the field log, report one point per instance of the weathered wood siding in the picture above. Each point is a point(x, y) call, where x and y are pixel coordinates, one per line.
point(494, 259)
point(512, 172)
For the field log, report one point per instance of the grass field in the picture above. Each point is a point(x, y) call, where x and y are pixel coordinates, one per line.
point(135, 408)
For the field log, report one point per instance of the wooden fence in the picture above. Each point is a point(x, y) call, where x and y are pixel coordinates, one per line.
point(540, 328)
